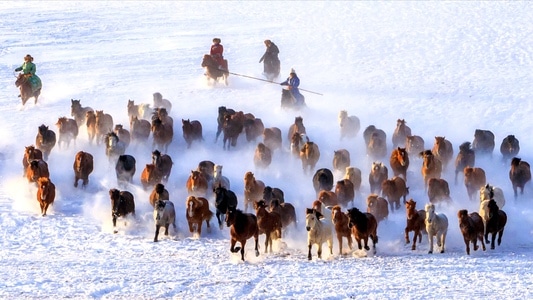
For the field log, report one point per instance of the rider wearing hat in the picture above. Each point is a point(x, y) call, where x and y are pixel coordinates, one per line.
point(292, 83)
point(217, 53)
point(28, 68)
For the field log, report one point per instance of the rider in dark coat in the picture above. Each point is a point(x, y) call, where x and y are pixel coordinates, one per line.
point(270, 60)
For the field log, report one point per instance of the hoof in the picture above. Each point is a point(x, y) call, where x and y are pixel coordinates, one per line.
point(430, 252)
point(256, 252)
point(413, 248)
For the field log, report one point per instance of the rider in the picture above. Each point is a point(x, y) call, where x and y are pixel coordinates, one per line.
point(28, 69)
point(217, 51)
point(271, 61)
point(293, 82)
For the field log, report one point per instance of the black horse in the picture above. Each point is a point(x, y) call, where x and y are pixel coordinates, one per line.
point(224, 199)
point(323, 180)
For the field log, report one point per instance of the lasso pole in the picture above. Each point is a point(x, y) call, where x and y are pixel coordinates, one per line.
point(273, 82)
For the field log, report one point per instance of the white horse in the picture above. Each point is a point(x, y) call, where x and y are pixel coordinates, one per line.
point(319, 231)
point(436, 226)
point(488, 192)
point(350, 125)
point(164, 215)
point(219, 179)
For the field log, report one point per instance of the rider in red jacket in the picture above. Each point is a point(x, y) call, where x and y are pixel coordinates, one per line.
point(217, 53)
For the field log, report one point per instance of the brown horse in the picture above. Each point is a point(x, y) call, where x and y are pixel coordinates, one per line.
point(364, 226)
point(393, 189)
point(30, 153)
point(262, 156)
point(472, 229)
point(90, 123)
point(431, 166)
point(495, 224)
point(197, 184)
point(309, 154)
point(341, 159)
point(416, 221)
point(197, 212)
point(345, 192)
point(253, 189)
point(163, 163)
point(465, 158)
point(483, 143)
point(400, 133)
point(232, 127)
point(297, 141)
point(45, 194)
point(286, 211)
point(399, 162)
point(243, 226)
point(123, 134)
point(26, 91)
point(150, 176)
point(272, 138)
point(509, 147)
point(371, 129)
point(271, 193)
point(269, 224)
point(162, 134)
point(443, 150)
point(378, 174)
point(68, 131)
point(222, 112)
point(122, 204)
point(414, 144)
point(140, 130)
point(192, 131)
point(104, 125)
point(328, 198)
point(377, 206)
point(341, 225)
point(212, 70)
point(83, 167)
point(349, 125)
point(78, 112)
point(36, 169)
point(377, 146)
point(438, 191)
point(162, 114)
point(207, 168)
point(519, 174)
point(158, 193)
point(297, 126)
point(45, 140)
point(141, 111)
point(253, 128)
point(474, 179)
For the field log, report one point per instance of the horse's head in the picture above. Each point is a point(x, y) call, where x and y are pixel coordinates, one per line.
point(111, 139)
point(353, 214)
point(43, 129)
point(156, 156)
point(114, 195)
point(462, 215)
point(207, 61)
point(430, 212)
point(231, 215)
point(21, 79)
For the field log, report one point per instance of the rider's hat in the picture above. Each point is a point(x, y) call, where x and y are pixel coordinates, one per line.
point(216, 40)
point(268, 42)
point(292, 71)
point(28, 57)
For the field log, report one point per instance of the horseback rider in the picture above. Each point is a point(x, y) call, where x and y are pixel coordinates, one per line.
point(28, 69)
point(271, 61)
point(217, 51)
point(292, 83)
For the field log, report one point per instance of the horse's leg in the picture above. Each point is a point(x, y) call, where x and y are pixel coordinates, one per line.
point(156, 232)
point(443, 241)
point(430, 238)
point(482, 240)
point(309, 246)
point(500, 237)
point(359, 246)
point(339, 238)
point(319, 251)
point(166, 228)
point(218, 218)
point(407, 241)
point(267, 239)
point(191, 226)
point(366, 243)
point(208, 226)
point(350, 243)
point(243, 243)
point(232, 248)
point(467, 244)
point(256, 238)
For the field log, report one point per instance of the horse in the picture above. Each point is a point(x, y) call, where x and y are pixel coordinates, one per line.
point(30, 153)
point(436, 226)
point(162, 114)
point(288, 100)
point(309, 154)
point(83, 167)
point(222, 112)
point(125, 168)
point(488, 192)
point(114, 147)
point(323, 180)
point(224, 200)
point(45, 194)
point(319, 232)
point(415, 222)
point(328, 198)
point(68, 131)
point(371, 129)
point(286, 211)
point(232, 128)
point(377, 146)
point(243, 226)
point(443, 150)
point(158, 193)
point(104, 125)
point(399, 162)
point(378, 174)
point(140, 130)
point(341, 225)
point(472, 229)
point(297, 126)
point(345, 192)
point(162, 133)
point(509, 147)
point(270, 193)
point(297, 141)
point(253, 189)
point(79, 112)
point(354, 175)
point(123, 134)
point(341, 159)
point(465, 158)
point(197, 211)
point(163, 163)
point(269, 224)
point(36, 169)
point(431, 166)
point(253, 128)
point(495, 223)
point(160, 102)
point(400, 133)
point(164, 215)
point(475, 178)
point(519, 174)
point(122, 205)
point(150, 176)
point(212, 70)
point(483, 143)
point(364, 226)
point(393, 189)
point(262, 156)
point(26, 90)
point(272, 138)
point(90, 123)
point(141, 111)
point(414, 144)
point(377, 206)
point(196, 184)
point(45, 140)
point(349, 125)
point(438, 191)
point(207, 168)
point(219, 179)
point(192, 131)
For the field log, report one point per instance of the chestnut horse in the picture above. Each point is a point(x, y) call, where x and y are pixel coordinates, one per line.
point(297, 126)
point(438, 191)
point(401, 132)
point(104, 125)
point(345, 192)
point(192, 131)
point(415, 222)
point(377, 206)
point(68, 131)
point(37, 168)
point(196, 184)
point(158, 193)
point(399, 162)
point(309, 154)
point(30, 153)
point(286, 211)
point(45, 194)
point(341, 225)
point(253, 189)
point(78, 112)
point(163, 134)
point(45, 140)
point(443, 150)
point(269, 223)
point(90, 123)
point(243, 226)
point(519, 174)
point(262, 156)
point(364, 226)
point(83, 167)
point(475, 178)
point(197, 212)
point(472, 229)
point(26, 91)
point(150, 176)
point(394, 189)
point(123, 134)
point(431, 167)
point(222, 112)
point(212, 70)
point(483, 143)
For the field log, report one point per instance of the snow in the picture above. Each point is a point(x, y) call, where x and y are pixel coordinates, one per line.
point(447, 68)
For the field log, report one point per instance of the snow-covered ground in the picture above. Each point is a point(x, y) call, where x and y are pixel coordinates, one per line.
point(447, 68)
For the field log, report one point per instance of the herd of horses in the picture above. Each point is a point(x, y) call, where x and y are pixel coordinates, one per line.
point(334, 210)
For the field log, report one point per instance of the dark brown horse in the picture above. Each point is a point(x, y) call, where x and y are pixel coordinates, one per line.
point(243, 226)
point(45, 140)
point(509, 147)
point(364, 226)
point(26, 92)
point(393, 189)
point(341, 160)
point(30, 153)
point(269, 223)
point(519, 174)
point(272, 138)
point(483, 143)
point(83, 166)
point(377, 206)
point(78, 112)
point(262, 156)
point(472, 228)
point(431, 167)
point(224, 199)
point(163, 134)
point(286, 211)
point(465, 158)
point(401, 132)
point(36, 169)
point(163, 163)
point(104, 125)
point(232, 128)
point(68, 131)
point(222, 112)
point(45, 194)
point(345, 192)
point(122, 204)
point(443, 150)
point(140, 130)
point(192, 131)
point(415, 222)
point(323, 180)
point(495, 224)
point(212, 70)
point(123, 134)
point(253, 128)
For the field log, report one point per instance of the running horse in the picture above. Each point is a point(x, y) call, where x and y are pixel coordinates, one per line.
point(26, 91)
point(212, 70)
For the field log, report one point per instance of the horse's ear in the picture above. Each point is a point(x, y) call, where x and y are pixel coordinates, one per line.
point(318, 214)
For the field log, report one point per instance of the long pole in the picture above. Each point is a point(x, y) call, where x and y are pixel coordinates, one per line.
point(270, 81)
